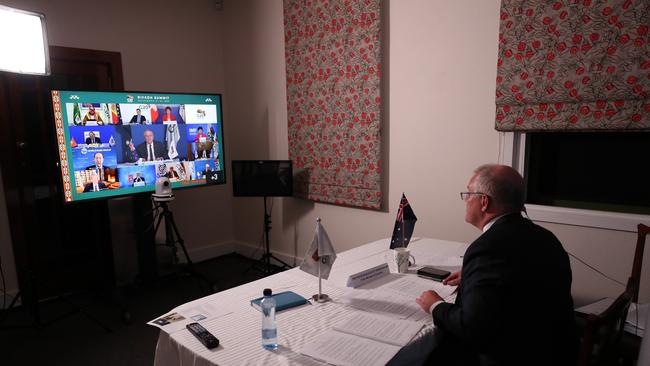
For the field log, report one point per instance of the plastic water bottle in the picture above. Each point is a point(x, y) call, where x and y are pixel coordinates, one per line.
point(269, 325)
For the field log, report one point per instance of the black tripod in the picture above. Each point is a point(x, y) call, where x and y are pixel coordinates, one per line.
point(173, 237)
point(267, 267)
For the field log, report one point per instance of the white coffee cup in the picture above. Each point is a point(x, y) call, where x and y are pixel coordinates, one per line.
point(401, 258)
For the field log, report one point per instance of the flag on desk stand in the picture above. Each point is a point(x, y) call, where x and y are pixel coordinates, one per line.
point(404, 225)
point(319, 259)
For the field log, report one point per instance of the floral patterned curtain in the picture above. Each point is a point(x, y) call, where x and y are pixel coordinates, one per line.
point(573, 65)
point(333, 51)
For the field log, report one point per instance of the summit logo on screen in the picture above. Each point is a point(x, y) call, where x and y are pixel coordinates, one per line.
point(208, 99)
point(129, 98)
point(74, 97)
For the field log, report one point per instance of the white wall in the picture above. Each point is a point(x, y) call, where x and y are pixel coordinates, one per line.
point(440, 64)
point(440, 67)
point(171, 46)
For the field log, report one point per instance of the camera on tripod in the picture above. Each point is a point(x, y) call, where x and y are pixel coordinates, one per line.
point(163, 190)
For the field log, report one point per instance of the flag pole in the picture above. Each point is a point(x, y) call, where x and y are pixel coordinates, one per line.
point(320, 297)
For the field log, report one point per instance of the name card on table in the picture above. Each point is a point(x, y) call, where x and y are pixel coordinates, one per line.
point(368, 275)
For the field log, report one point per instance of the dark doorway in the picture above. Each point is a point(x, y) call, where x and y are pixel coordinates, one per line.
point(58, 247)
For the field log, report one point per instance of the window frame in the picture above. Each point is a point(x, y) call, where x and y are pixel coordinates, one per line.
point(513, 153)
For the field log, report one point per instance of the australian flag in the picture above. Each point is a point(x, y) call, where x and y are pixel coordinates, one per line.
point(404, 225)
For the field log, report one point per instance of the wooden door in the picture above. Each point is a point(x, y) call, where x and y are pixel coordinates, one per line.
point(57, 246)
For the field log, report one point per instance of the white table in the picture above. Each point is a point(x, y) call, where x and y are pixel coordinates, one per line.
point(237, 324)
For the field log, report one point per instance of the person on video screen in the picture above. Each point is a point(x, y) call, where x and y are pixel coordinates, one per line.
point(172, 173)
point(138, 118)
point(207, 171)
point(94, 185)
point(92, 116)
point(99, 167)
point(138, 178)
point(168, 116)
point(200, 136)
point(92, 139)
point(150, 149)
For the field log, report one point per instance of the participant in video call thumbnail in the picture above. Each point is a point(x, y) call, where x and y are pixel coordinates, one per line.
point(92, 116)
point(99, 168)
point(150, 149)
point(139, 179)
point(167, 113)
point(173, 170)
point(92, 139)
point(95, 184)
point(136, 175)
point(138, 118)
point(172, 173)
point(203, 145)
point(203, 168)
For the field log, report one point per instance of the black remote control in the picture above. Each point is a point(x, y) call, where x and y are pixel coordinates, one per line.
point(202, 334)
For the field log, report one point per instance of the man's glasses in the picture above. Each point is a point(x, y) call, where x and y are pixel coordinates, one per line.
point(465, 195)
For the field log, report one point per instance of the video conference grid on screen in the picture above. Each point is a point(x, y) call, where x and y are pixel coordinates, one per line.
point(121, 143)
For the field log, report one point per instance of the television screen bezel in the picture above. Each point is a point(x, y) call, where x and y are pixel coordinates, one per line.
point(232, 169)
point(126, 195)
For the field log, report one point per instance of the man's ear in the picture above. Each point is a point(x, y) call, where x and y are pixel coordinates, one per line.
point(485, 202)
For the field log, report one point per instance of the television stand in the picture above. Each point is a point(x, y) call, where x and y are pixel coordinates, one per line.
point(265, 260)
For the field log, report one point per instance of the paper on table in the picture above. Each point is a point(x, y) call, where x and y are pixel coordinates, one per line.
point(343, 349)
point(381, 328)
point(183, 315)
point(388, 303)
point(414, 286)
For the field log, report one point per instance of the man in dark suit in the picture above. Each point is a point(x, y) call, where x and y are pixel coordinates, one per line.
point(138, 118)
point(99, 168)
point(151, 149)
point(94, 185)
point(172, 173)
point(92, 139)
point(514, 304)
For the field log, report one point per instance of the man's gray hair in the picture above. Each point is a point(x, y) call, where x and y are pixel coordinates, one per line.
point(503, 184)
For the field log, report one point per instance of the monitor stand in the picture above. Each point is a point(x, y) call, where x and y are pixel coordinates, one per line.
point(265, 261)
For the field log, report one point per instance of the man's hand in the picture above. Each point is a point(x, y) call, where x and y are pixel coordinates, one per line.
point(452, 280)
point(427, 299)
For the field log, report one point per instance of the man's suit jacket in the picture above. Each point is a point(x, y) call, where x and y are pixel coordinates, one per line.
point(159, 150)
point(514, 304)
point(134, 119)
point(90, 141)
point(89, 186)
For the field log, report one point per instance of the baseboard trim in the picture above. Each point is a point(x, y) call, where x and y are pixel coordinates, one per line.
point(255, 252)
point(208, 252)
point(247, 250)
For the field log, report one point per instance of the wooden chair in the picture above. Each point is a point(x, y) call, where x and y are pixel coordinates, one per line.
point(602, 332)
point(635, 278)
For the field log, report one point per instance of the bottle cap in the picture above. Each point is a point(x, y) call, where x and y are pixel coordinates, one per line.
point(268, 292)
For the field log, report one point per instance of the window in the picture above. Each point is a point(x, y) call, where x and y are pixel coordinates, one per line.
point(593, 179)
point(604, 171)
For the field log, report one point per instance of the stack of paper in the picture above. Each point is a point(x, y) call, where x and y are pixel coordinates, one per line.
point(364, 339)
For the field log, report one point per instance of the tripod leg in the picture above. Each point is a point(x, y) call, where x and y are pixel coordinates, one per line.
point(180, 240)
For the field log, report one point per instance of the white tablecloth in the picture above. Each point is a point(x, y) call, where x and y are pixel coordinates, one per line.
point(237, 324)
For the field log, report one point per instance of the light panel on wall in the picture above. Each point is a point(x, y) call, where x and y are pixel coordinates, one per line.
point(23, 42)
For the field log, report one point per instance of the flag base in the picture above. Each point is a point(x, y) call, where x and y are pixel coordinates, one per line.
point(321, 298)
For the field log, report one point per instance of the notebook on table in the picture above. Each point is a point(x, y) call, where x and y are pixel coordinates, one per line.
point(283, 300)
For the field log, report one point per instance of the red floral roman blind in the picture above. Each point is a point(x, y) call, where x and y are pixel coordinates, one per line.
point(573, 65)
point(333, 53)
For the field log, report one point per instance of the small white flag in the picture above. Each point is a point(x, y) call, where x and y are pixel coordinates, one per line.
point(320, 251)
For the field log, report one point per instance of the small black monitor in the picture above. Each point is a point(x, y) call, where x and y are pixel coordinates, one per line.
point(262, 178)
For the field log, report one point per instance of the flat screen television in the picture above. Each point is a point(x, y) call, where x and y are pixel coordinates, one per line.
point(262, 178)
point(119, 143)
